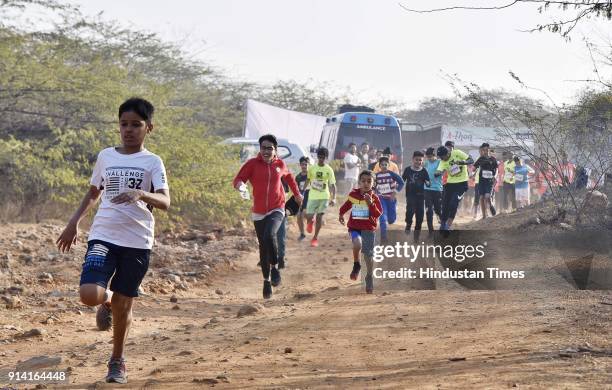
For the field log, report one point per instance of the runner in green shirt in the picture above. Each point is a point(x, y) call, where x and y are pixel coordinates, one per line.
point(322, 192)
point(455, 162)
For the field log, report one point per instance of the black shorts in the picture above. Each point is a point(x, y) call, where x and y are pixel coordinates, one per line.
point(485, 186)
point(127, 267)
point(304, 201)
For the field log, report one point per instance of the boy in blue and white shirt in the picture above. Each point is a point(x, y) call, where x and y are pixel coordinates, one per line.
point(387, 184)
point(433, 191)
point(521, 182)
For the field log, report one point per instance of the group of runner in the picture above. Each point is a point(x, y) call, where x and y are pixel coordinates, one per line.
point(131, 181)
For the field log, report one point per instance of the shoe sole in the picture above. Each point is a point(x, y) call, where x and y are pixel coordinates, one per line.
point(104, 318)
point(116, 380)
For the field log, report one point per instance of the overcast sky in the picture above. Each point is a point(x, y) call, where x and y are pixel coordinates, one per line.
point(373, 46)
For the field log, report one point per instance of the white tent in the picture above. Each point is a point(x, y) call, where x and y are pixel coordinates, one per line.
point(298, 127)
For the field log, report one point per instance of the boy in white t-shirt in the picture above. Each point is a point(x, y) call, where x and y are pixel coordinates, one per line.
point(130, 180)
point(352, 164)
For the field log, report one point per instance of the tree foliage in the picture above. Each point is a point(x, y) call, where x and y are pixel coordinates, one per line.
point(460, 110)
point(59, 93)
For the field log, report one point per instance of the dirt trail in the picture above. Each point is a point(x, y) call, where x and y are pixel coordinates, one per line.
point(320, 330)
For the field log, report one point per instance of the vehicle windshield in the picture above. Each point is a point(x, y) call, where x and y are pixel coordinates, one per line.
point(248, 151)
point(379, 140)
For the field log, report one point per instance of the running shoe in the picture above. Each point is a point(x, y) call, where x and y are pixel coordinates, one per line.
point(301, 237)
point(104, 316)
point(369, 282)
point(443, 226)
point(355, 271)
point(310, 226)
point(267, 290)
point(275, 277)
point(314, 242)
point(116, 371)
point(407, 229)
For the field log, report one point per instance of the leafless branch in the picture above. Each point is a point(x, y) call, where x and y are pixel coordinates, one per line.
point(457, 7)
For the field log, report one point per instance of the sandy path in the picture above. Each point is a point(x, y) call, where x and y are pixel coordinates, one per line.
point(321, 330)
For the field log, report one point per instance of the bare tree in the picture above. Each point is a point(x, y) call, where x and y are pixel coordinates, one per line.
point(582, 9)
point(580, 132)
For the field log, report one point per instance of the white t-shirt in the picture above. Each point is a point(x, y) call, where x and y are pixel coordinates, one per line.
point(128, 225)
point(351, 173)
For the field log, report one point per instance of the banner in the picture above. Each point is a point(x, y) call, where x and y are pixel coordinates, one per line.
point(298, 127)
point(475, 136)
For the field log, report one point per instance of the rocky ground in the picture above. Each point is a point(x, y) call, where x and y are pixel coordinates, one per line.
point(201, 322)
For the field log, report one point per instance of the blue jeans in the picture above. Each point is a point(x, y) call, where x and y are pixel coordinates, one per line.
point(281, 236)
point(388, 216)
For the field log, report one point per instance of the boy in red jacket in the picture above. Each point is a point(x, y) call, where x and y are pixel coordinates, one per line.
point(264, 172)
point(365, 210)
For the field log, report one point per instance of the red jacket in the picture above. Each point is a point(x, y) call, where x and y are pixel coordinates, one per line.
point(363, 217)
point(268, 193)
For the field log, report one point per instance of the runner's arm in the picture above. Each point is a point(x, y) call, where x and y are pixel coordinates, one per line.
point(468, 161)
point(70, 234)
point(346, 206)
point(243, 175)
point(399, 180)
point(405, 174)
point(290, 180)
point(332, 192)
point(426, 177)
point(375, 207)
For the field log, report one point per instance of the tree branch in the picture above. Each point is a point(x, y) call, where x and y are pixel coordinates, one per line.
point(458, 7)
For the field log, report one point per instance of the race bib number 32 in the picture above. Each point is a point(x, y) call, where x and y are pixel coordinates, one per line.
point(120, 179)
